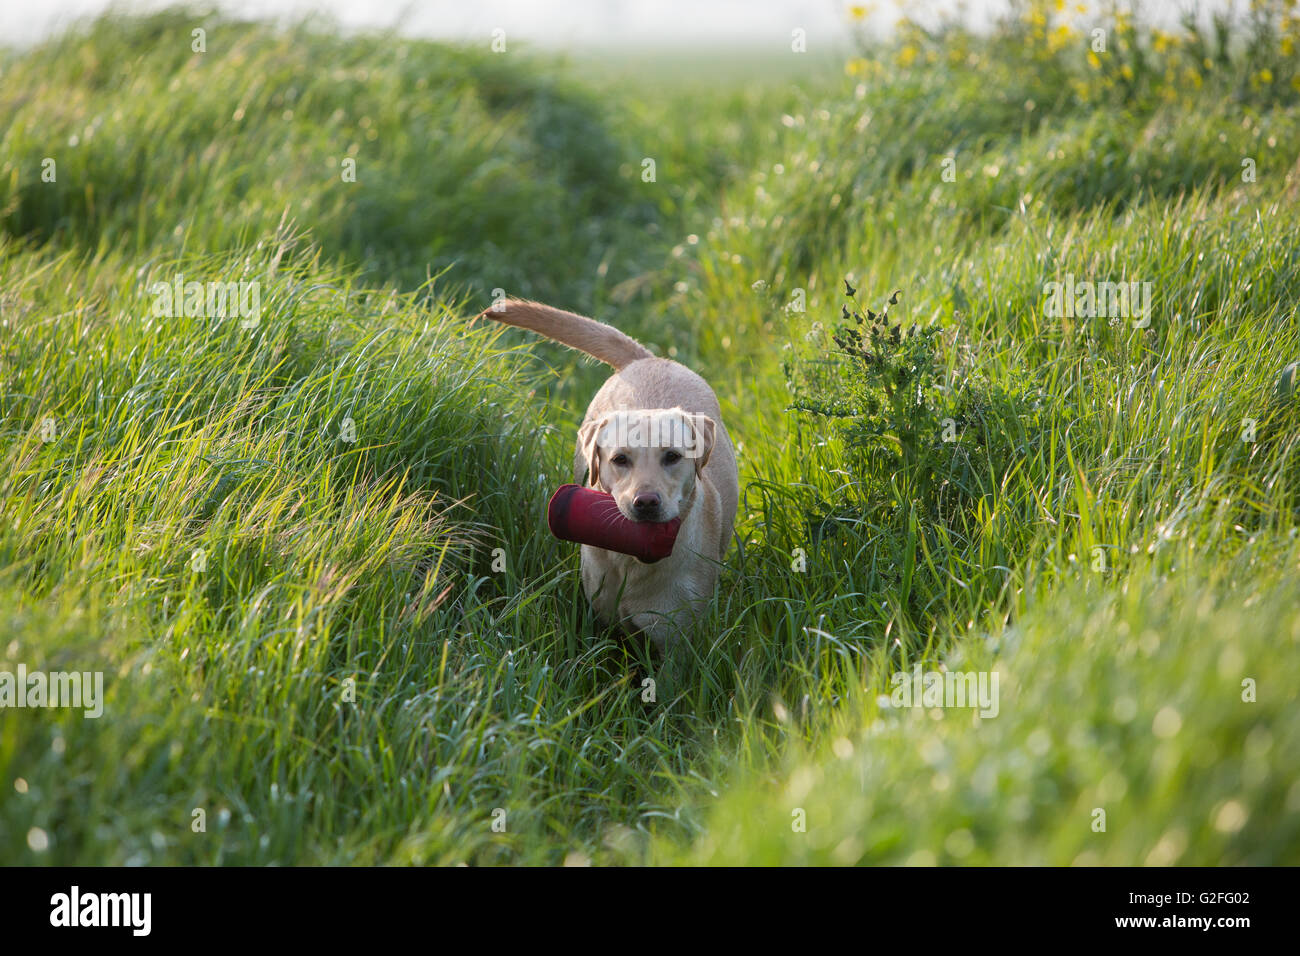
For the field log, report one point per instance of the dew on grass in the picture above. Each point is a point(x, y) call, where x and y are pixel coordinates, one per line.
point(38, 840)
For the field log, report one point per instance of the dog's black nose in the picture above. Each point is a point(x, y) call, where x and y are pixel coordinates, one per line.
point(646, 505)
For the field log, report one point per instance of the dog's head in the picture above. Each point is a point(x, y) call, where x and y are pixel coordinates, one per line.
point(648, 459)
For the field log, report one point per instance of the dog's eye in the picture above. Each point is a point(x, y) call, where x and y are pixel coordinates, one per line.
point(619, 459)
point(672, 458)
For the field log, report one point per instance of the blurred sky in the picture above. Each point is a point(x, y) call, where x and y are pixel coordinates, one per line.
point(586, 24)
point(551, 23)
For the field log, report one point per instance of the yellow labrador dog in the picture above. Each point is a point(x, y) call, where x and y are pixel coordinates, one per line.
point(653, 438)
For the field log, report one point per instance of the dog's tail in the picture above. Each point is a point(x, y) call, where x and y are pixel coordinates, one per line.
point(598, 340)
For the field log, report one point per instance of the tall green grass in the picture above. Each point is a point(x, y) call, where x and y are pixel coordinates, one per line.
point(462, 160)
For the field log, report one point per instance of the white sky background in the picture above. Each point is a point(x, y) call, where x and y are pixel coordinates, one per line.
point(572, 24)
point(569, 24)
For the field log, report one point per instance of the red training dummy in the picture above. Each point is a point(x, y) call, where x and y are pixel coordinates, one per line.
point(588, 516)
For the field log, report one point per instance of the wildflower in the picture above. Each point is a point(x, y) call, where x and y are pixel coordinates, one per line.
point(1059, 38)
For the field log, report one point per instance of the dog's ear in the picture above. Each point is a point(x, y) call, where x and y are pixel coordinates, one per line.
point(587, 444)
point(706, 432)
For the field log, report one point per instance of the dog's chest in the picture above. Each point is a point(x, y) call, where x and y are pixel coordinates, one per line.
point(618, 584)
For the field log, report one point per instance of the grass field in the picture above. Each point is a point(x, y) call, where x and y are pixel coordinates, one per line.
point(309, 556)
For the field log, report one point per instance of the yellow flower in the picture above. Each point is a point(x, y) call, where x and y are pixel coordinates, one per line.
point(1126, 71)
point(907, 55)
point(1266, 75)
point(1059, 37)
point(858, 12)
point(1094, 61)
